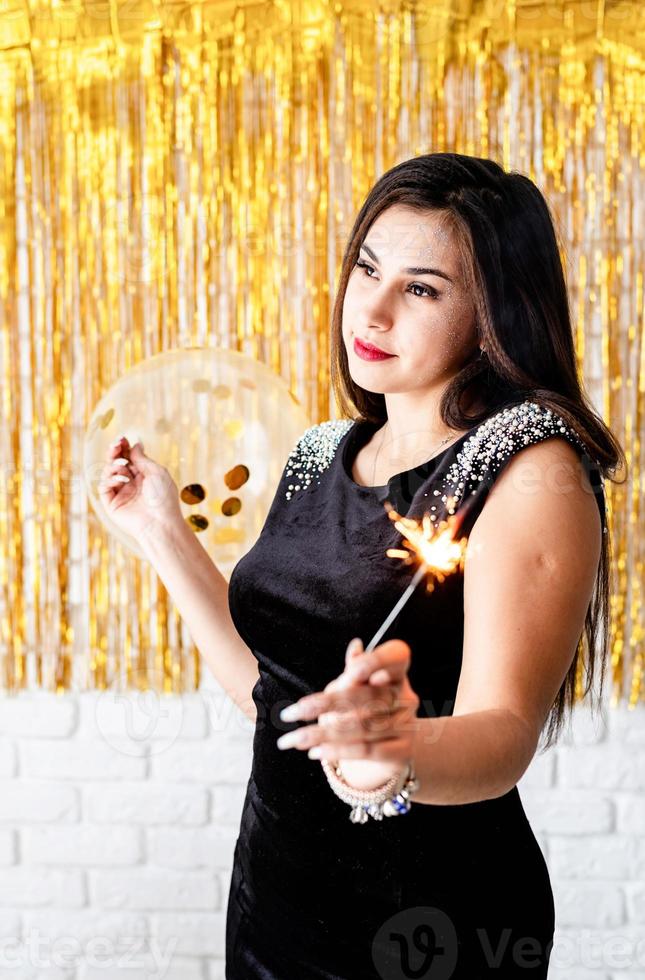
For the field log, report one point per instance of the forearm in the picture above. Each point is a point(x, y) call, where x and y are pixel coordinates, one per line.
point(458, 759)
point(200, 593)
point(471, 757)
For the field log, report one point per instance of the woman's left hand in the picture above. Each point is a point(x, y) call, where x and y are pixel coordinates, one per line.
point(367, 712)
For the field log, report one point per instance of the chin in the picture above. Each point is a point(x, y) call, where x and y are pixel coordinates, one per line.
point(374, 391)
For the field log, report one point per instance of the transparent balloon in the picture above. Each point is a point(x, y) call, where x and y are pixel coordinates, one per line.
point(221, 423)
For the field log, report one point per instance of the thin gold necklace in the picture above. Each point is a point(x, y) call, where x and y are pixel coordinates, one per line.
point(434, 453)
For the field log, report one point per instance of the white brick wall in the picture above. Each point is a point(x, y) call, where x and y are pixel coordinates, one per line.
point(119, 814)
point(586, 804)
point(118, 819)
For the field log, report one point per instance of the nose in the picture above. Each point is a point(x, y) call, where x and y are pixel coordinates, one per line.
point(374, 316)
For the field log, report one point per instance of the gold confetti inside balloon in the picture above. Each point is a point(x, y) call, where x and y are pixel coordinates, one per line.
point(219, 421)
point(193, 494)
point(236, 477)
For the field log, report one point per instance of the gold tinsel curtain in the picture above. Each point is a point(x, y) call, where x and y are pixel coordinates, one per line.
point(177, 174)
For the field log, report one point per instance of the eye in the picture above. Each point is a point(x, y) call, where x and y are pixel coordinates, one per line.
point(429, 291)
point(363, 265)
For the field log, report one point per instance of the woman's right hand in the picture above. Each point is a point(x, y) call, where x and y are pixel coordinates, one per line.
point(138, 494)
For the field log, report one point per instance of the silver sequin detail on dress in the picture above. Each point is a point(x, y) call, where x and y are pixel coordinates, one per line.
point(478, 460)
point(494, 441)
point(314, 452)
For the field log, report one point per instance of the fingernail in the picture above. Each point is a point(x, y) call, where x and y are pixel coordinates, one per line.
point(289, 740)
point(353, 647)
point(122, 461)
point(122, 478)
point(291, 712)
point(315, 752)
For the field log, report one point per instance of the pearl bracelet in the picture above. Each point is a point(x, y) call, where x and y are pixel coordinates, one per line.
point(390, 799)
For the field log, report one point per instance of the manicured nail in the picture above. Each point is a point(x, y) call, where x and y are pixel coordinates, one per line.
point(315, 752)
point(121, 461)
point(353, 647)
point(289, 740)
point(291, 712)
point(122, 478)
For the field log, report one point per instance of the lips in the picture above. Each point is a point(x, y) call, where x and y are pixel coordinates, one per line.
point(369, 352)
point(366, 343)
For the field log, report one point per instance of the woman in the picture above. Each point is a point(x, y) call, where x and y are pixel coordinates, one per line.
point(472, 412)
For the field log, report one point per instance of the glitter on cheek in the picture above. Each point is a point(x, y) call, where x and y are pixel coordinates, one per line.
point(450, 327)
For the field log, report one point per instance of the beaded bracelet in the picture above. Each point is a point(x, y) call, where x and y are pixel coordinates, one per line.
point(390, 799)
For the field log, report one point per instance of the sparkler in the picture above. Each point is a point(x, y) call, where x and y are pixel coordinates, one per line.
point(438, 549)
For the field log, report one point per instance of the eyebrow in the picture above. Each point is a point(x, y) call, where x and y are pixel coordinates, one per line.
point(413, 270)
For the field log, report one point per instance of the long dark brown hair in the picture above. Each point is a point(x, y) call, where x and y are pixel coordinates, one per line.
point(512, 267)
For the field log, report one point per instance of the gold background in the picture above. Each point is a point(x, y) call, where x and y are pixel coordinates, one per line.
point(179, 174)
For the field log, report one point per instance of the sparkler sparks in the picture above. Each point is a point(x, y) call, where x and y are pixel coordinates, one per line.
point(437, 547)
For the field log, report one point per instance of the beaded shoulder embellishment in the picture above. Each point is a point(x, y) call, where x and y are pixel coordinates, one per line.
point(494, 441)
point(314, 452)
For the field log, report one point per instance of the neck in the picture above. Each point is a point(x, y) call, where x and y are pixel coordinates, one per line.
point(414, 421)
point(415, 429)
point(413, 447)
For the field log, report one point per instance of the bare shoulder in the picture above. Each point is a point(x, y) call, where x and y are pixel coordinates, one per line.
point(543, 503)
point(530, 569)
point(549, 483)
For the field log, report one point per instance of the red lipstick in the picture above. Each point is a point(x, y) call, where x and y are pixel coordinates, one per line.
point(369, 352)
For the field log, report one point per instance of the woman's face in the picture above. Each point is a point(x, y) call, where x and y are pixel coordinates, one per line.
point(425, 319)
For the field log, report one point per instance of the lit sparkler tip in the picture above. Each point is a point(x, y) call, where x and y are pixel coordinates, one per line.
point(435, 545)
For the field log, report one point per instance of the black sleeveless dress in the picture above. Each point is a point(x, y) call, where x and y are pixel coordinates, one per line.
point(458, 891)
